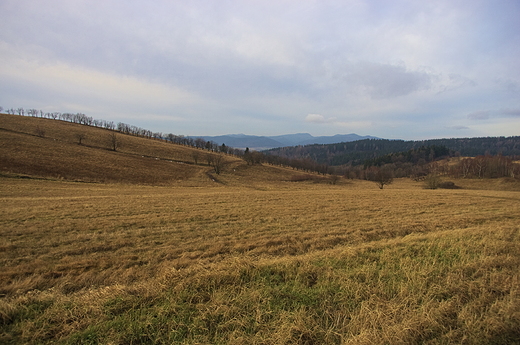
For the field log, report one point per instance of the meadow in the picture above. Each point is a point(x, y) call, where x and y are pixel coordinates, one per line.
point(264, 261)
point(146, 244)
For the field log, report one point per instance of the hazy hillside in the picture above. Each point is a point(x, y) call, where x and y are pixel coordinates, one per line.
point(268, 142)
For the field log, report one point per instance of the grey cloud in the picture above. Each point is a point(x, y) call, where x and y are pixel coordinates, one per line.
point(510, 112)
point(387, 81)
point(453, 82)
point(479, 115)
point(459, 128)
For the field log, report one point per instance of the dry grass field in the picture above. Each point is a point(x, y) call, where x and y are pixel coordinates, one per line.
point(58, 155)
point(250, 259)
point(283, 264)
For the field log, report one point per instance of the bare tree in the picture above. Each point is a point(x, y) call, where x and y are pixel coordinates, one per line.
point(200, 143)
point(113, 141)
point(432, 181)
point(195, 155)
point(381, 176)
point(218, 163)
point(80, 137)
point(32, 112)
point(334, 179)
point(209, 159)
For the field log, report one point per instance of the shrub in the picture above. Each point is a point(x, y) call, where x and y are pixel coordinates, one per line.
point(431, 181)
point(448, 185)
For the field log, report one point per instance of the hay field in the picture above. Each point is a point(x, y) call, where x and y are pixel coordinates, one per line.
point(269, 262)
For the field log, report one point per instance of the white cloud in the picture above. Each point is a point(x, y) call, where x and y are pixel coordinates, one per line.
point(317, 118)
point(91, 87)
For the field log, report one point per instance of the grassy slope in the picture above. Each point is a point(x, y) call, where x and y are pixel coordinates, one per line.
point(256, 260)
point(58, 154)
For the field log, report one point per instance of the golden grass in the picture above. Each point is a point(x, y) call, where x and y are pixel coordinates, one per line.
point(58, 155)
point(264, 262)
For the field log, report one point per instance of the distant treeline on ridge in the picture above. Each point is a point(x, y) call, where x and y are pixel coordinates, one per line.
point(374, 151)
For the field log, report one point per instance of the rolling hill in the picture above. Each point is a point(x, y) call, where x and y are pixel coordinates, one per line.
point(45, 148)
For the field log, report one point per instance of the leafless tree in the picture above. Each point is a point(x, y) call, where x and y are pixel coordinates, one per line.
point(218, 163)
point(195, 155)
point(432, 181)
point(113, 141)
point(334, 179)
point(380, 175)
point(80, 137)
point(200, 143)
point(209, 159)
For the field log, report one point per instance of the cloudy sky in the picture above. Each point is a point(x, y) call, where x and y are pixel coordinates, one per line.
point(389, 68)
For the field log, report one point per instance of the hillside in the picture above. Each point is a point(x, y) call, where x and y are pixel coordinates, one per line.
point(46, 148)
point(357, 152)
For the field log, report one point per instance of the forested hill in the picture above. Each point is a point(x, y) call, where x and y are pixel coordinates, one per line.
point(357, 152)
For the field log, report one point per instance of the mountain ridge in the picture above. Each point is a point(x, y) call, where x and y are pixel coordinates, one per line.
point(259, 143)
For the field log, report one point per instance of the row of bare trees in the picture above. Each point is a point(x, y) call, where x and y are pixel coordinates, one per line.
point(78, 118)
point(251, 157)
point(486, 167)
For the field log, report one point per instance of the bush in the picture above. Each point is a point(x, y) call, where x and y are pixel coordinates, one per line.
point(448, 185)
point(431, 181)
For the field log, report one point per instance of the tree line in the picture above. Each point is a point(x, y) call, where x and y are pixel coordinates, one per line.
point(378, 160)
point(358, 152)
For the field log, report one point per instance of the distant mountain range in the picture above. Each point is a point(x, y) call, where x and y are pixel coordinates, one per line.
point(258, 143)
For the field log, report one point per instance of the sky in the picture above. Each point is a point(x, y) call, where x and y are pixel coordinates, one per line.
point(396, 69)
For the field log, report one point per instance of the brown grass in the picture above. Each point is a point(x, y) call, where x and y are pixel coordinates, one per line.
point(280, 263)
point(58, 154)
